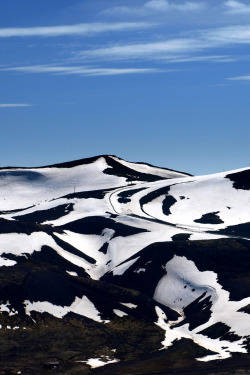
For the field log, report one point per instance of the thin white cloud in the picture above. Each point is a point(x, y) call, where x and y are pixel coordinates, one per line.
point(164, 5)
point(240, 78)
point(79, 29)
point(81, 70)
point(199, 41)
point(122, 10)
point(144, 50)
point(205, 58)
point(226, 36)
point(11, 105)
point(237, 7)
point(156, 6)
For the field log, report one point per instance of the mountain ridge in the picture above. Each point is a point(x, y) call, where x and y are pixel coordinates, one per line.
point(138, 262)
point(82, 161)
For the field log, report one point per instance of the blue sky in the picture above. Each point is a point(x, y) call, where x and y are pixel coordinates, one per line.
point(163, 82)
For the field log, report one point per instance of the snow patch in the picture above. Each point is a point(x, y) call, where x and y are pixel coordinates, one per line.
point(184, 283)
point(221, 348)
point(98, 362)
point(6, 307)
point(6, 262)
point(20, 244)
point(72, 273)
point(119, 270)
point(81, 306)
point(149, 169)
point(140, 270)
point(120, 313)
point(129, 305)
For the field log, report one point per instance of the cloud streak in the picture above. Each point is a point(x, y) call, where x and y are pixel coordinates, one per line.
point(12, 105)
point(166, 6)
point(145, 50)
point(237, 7)
point(198, 41)
point(240, 78)
point(79, 29)
point(81, 70)
point(156, 6)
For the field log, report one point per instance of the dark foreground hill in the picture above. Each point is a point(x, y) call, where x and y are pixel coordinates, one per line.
point(111, 267)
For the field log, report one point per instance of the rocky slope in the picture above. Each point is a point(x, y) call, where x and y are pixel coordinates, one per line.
point(114, 267)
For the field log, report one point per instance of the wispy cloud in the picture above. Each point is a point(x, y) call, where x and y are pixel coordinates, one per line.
point(205, 58)
point(199, 41)
point(237, 7)
point(81, 70)
point(144, 50)
point(164, 5)
point(156, 6)
point(11, 105)
point(240, 78)
point(79, 29)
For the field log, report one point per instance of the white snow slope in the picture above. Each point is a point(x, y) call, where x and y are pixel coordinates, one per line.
point(153, 210)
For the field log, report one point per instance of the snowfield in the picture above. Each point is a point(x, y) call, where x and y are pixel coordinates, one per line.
point(106, 219)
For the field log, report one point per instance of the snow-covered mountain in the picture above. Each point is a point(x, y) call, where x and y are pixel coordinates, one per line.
point(145, 262)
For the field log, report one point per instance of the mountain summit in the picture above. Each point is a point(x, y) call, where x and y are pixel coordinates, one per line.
point(124, 266)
